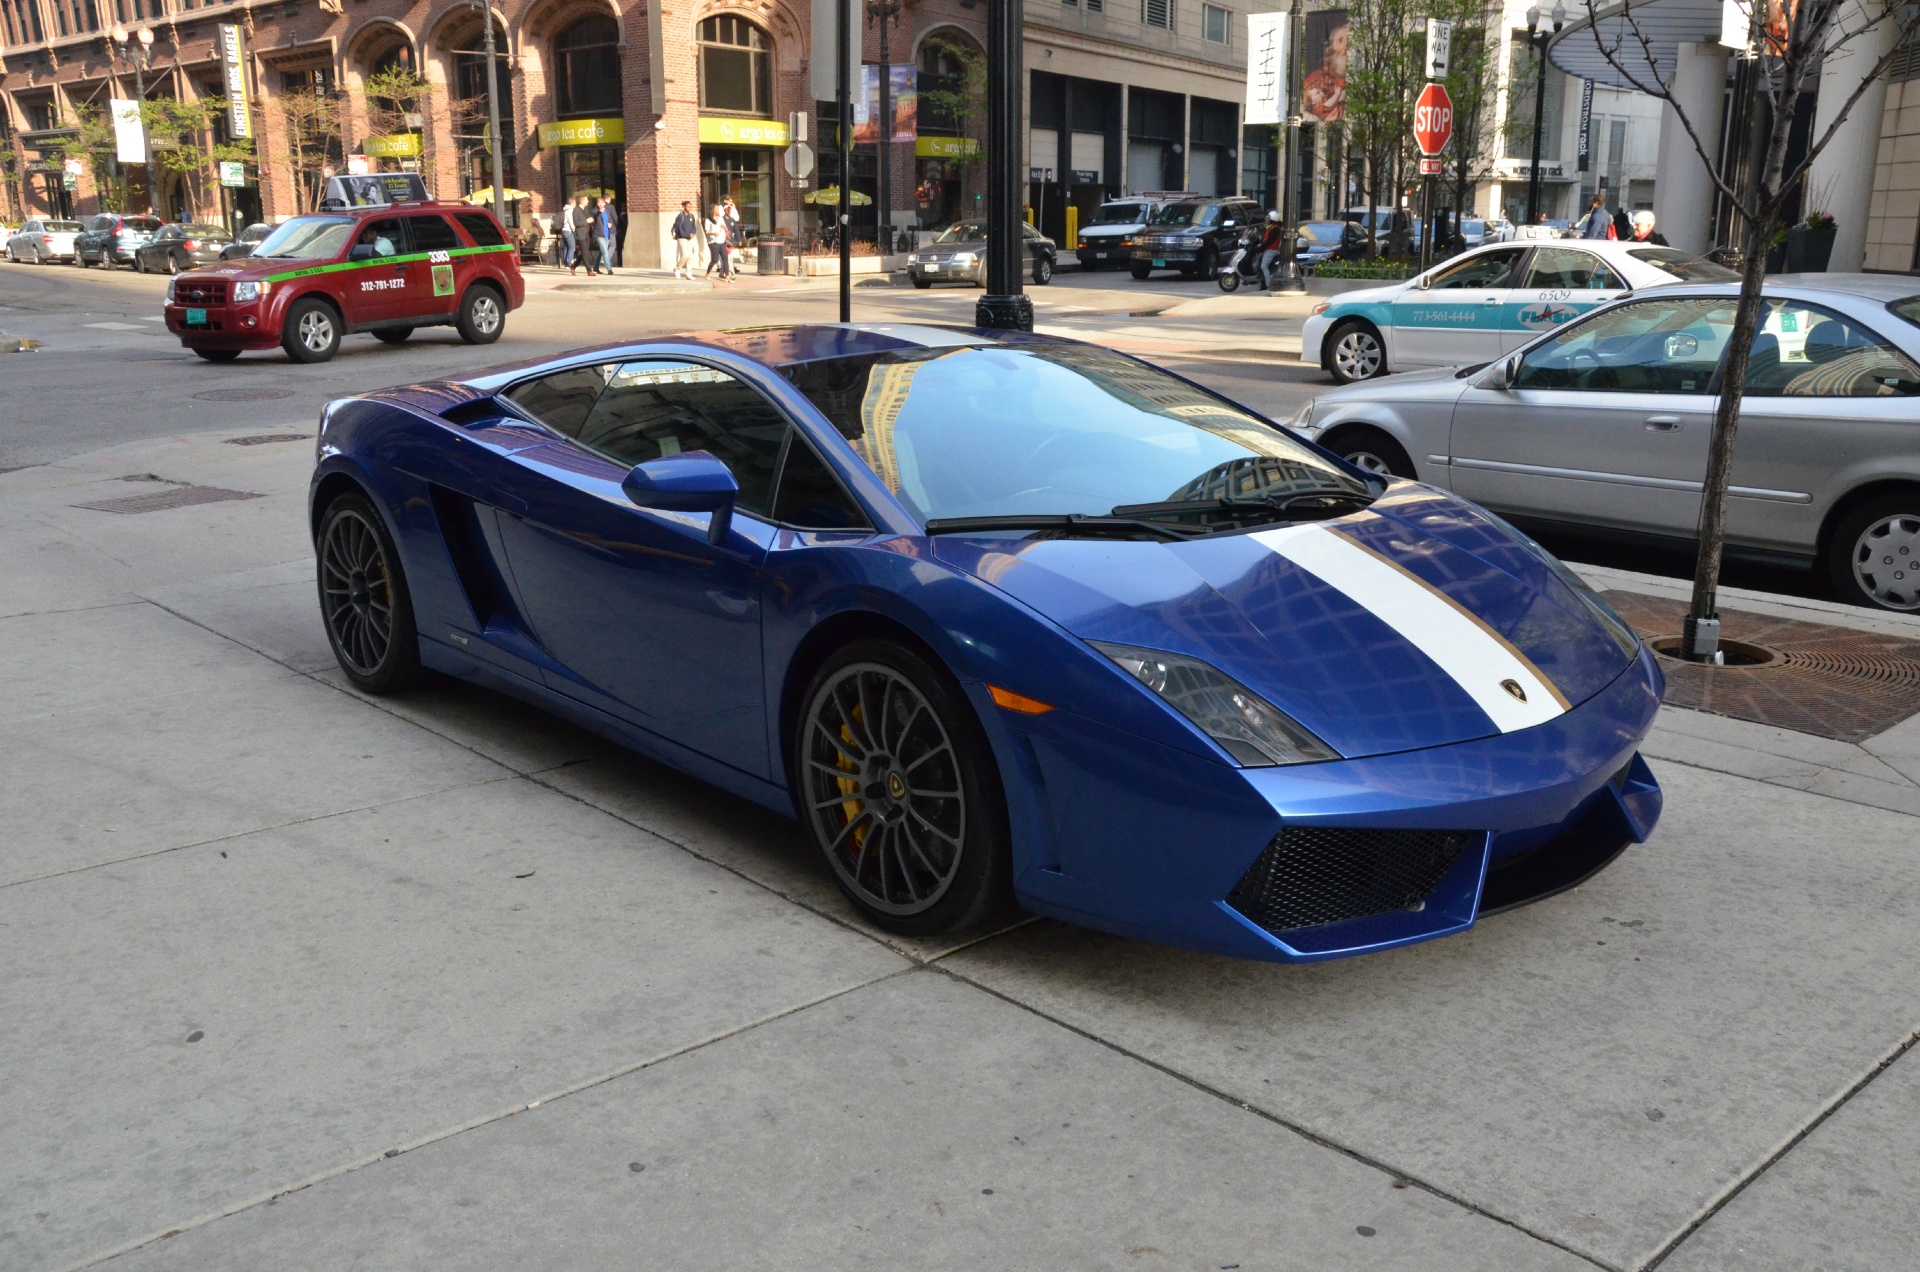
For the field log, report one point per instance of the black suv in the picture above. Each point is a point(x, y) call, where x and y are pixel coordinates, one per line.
point(110, 238)
point(1192, 236)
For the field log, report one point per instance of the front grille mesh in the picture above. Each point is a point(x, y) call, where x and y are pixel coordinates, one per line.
point(1311, 875)
point(200, 294)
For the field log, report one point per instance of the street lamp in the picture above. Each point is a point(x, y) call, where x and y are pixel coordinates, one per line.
point(1538, 40)
point(884, 12)
point(137, 49)
point(494, 139)
point(1286, 274)
point(1004, 306)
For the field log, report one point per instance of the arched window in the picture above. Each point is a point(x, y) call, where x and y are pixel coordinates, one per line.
point(736, 67)
point(586, 68)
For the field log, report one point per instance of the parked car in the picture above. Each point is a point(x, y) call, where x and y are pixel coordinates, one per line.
point(1332, 241)
point(970, 605)
point(249, 239)
point(1108, 237)
point(1192, 236)
point(1604, 426)
point(384, 269)
point(1392, 228)
point(958, 254)
point(178, 247)
point(42, 240)
point(111, 238)
point(1480, 304)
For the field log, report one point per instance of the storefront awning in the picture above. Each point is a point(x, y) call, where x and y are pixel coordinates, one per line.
point(42, 139)
point(1644, 36)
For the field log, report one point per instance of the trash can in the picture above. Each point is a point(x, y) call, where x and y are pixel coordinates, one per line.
point(773, 256)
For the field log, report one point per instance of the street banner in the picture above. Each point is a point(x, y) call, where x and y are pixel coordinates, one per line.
point(903, 98)
point(233, 68)
point(1323, 97)
point(1586, 124)
point(1266, 68)
point(129, 142)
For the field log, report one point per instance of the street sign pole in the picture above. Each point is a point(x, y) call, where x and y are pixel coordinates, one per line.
point(1432, 129)
point(843, 74)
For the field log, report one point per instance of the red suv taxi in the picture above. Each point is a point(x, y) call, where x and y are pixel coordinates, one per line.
point(384, 270)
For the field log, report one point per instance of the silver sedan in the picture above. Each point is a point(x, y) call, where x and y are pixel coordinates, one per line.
point(1603, 426)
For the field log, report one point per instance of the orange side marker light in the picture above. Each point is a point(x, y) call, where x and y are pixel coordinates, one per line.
point(1018, 701)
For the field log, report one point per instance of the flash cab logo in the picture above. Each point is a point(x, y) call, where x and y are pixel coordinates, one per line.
point(1545, 316)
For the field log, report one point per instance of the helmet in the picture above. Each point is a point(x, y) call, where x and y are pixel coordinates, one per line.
point(1273, 217)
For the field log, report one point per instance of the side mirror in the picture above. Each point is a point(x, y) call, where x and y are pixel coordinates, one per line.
point(693, 481)
point(361, 252)
point(1424, 282)
point(1502, 374)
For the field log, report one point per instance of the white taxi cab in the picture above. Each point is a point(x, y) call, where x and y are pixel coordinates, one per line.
point(1481, 304)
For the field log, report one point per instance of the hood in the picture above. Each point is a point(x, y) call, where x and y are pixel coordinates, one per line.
point(1369, 295)
point(246, 267)
point(1426, 385)
point(1417, 623)
point(944, 250)
point(1112, 231)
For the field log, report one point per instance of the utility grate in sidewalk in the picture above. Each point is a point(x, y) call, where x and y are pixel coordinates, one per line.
point(1831, 682)
point(243, 395)
point(263, 439)
point(178, 497)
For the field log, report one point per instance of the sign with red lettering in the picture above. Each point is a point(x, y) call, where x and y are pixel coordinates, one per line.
point(1433, 119)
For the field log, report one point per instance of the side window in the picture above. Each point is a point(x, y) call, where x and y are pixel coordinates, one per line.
point(383, 236)
point(480, 228)
point(432, 234)
point(652, 409)
point(1802, 351)
point(562, 401)
point(810, 496)
point(1488, 269)
point(1566, 269)
point(1652, 346)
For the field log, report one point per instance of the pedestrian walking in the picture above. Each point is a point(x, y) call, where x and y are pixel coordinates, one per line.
point(1643, 231)
point(684, 228)
point(1598, 221)
point(734, 242)
point(716, 231)
point(593, 238)
point(569, 237)
point(603, 222)
point(1622, 223)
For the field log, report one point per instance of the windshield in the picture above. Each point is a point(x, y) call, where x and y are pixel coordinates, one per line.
point(988, 430)
point(1184, 214)
point(307, 238)
point(964, 232)
point(1682, 265)
point(1120, 214)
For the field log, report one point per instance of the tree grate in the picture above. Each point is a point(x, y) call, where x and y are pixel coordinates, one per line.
point(178, 497)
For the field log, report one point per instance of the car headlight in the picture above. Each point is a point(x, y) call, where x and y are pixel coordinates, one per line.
point(1248, 727)
point(964, 258)
point(244, 292)
point(170, 285)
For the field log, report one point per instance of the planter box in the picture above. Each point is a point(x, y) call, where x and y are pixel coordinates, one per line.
point(829, 266)
point(1809, 250)
point(1318, 286)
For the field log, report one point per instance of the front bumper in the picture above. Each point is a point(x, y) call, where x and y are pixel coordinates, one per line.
point(1313, 334)
point(1094, 253)
point(1152, 843)
point(247, 326)
point(945, 271)
point(1165, 256)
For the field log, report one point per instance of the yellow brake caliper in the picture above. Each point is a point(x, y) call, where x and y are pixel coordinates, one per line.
point(850, 786)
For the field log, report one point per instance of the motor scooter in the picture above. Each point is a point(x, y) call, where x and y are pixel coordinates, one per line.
point(1244, 265)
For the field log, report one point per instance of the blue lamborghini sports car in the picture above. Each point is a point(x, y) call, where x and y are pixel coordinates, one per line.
point(1003, 620)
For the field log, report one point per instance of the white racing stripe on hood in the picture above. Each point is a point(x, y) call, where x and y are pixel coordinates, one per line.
point(1469, 651)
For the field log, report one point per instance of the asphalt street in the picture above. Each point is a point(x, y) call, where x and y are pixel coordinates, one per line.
point(297, 978)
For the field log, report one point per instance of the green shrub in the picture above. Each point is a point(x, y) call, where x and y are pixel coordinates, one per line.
point(1384, 272)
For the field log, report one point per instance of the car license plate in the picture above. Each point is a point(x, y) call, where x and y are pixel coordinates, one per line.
point(1159, 264)
point(196, 317)
point(933, 269)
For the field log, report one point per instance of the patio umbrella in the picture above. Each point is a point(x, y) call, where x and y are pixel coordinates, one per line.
point(486, 195)
point(830, 196)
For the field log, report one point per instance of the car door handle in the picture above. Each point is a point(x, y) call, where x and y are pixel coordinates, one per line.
point(1663, 423)
point(1491, 300)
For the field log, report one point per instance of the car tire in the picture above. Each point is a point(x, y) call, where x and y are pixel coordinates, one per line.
point(1208, 265)
point(483, 315)
point(173, 263)
point(1372, 450)
point(312, 331)
point(364, 602)
point(1357, 353)
point(1042, 271)
point(218, 355)
point(1140, 272)
point(79, 261)
point(915, 831)
point(139, 263)
point(922, 283)
point(1873, 558)
point(393, 335)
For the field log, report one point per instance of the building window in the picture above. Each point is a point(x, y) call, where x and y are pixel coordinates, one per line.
point(1157, 13)
point(1213, 23)
point(736, 67)
point(587, 69)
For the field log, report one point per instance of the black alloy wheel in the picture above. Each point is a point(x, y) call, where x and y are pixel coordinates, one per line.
point(364, 601)
point(393, 335)
point(1207, 264)
point(483, 315)
point(896, 785)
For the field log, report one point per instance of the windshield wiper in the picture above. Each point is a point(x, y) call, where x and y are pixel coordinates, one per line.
point(1281, 504)
point(1079, 523)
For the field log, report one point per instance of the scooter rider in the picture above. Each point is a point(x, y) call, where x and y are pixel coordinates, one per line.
point(1270, 248)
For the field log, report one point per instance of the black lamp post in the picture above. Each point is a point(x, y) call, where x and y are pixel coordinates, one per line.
point(494, 139)
point(1538, 40)
point(884, 12)
point(1286, 271)
point(135, 48)
point(1004, 306)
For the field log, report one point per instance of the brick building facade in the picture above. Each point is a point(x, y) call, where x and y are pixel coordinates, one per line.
point(598, 100)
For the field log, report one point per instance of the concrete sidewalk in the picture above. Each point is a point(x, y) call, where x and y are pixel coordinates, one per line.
point(301, 979)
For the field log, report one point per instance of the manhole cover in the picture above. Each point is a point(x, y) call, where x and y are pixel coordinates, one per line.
point(178, 497)
point(243, 395)
point(265, 439)
point(1832, 682)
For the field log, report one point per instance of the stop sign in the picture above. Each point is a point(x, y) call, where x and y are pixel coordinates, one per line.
point(1433, 119)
